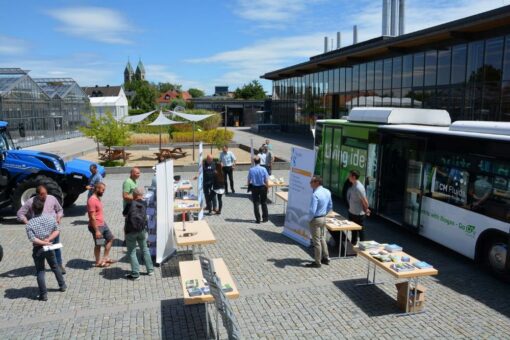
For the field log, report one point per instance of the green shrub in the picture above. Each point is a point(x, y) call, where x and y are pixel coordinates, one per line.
point(210, 136)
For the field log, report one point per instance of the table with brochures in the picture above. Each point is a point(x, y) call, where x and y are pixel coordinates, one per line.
point(396, 262)
point(192, 279)
point(284, 196)
point(336, 222)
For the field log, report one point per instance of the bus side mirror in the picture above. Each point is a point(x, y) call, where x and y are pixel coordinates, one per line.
point(21, 130)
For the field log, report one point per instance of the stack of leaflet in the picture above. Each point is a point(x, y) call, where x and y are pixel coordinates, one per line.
point(366, 245)
point(392, 248)
point(402, 267)
point(422, 265)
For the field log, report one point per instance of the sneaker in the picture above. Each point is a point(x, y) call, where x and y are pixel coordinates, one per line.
point(42, 297)
point(63, 288)
point(150, 273)
point(325, 261)
point(62, 269)
point(312, 265)
point(132, 278)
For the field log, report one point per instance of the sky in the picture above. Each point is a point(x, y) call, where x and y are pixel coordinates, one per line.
point(196, 43)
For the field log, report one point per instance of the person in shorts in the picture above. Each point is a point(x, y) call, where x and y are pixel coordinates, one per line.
point(98, 228)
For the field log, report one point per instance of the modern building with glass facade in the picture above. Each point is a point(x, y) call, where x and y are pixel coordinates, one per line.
point(44, 110)
point(461, 66)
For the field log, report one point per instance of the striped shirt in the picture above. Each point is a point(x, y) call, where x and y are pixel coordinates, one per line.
point(51, 207)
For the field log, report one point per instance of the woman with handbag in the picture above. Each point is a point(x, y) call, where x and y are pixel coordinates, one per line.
point(218, 188)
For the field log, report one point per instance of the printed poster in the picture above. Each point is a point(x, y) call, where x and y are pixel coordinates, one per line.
point(302, 165)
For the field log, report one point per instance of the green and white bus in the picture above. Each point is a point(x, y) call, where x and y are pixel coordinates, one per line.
point(450, 182)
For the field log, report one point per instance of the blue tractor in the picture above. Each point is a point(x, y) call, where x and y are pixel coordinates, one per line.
point(21, 171)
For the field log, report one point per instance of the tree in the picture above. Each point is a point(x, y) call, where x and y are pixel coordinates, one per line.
point(145, 97)
point(106, 130)
point(253, 90)
point(164, 87)
point(195, 93)
point(177, 102)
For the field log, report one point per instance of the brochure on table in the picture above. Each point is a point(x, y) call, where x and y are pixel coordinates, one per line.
point(165, 245)
point(300, 194)
point(200, 183)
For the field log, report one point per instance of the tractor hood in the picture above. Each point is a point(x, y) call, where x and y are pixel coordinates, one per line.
point(82, 167)
point(27, 159)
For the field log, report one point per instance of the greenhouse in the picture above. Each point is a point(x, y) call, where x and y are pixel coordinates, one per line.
point(40, 110)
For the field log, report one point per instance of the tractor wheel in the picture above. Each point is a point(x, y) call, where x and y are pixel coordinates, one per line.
point(26, 189)
point(70, 198)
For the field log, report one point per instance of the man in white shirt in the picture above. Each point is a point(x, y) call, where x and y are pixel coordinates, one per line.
point(228, 163)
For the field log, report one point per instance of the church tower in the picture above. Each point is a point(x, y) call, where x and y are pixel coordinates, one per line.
point(140, 71)
point(128, 73)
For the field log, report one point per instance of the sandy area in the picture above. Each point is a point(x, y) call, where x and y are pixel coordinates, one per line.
point(147, 158)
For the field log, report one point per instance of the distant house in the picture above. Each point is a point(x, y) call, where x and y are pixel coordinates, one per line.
point(168, 96)
point(108, 99)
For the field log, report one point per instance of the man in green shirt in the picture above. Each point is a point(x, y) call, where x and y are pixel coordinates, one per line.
point(129, 186)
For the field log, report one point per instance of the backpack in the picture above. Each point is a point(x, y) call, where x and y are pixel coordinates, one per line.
point(136, 219)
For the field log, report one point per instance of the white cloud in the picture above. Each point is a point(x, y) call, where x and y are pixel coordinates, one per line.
point(10, 45)
point(160, 73)
point(86, 74)
point(272, 14)
point(248, 63)
point(94, 23)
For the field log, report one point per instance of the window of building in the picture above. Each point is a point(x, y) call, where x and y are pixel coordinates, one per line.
point(341, 80)
point(459, 55)
point(387, 73)
point(362, 78)
point(370, 76)
point(418, 65)
point(407, 71)
point(397, 73)
point(355, 78)
point(378, 75)
point(430, 68)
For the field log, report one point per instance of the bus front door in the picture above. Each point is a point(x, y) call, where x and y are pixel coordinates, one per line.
point(401, 179)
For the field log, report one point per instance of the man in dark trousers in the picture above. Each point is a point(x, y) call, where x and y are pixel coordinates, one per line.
point(208, 182)
point(228, 163)
point(358, 205)
point(258, 182)
point(41, 230)
point(135, 228)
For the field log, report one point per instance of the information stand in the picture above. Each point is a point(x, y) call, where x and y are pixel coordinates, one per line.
point(300, 194)
point(165, 242)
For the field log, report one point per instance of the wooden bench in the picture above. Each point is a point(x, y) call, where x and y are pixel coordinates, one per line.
point(114, 154)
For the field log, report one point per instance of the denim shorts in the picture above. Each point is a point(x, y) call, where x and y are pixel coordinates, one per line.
point(104, 230)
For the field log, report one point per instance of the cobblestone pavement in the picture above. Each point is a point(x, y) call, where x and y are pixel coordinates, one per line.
point(280, 299)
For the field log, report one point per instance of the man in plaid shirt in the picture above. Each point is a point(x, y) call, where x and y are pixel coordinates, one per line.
point(42, 229)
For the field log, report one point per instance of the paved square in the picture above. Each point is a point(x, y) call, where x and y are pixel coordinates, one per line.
point(280, 299)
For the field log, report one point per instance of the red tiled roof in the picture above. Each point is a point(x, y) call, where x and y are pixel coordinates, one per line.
point(168, 96)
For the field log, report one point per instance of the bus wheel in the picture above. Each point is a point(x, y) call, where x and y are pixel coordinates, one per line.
point(495, 256)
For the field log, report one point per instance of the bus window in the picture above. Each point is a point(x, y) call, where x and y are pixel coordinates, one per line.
point(449, 184)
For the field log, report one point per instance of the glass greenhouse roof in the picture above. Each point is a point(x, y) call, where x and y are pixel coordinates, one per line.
point(8, 76)
point(55, 86)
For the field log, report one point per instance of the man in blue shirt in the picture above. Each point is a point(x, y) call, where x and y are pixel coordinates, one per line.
point(228, 163)
point(320, 205)
point(257, 180)
point(96, 178)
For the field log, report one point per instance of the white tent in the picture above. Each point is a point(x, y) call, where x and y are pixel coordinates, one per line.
point(162, 121)
point(193, 119)
point(137, 118)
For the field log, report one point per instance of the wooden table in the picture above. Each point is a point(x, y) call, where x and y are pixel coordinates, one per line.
point(407, 275)
point(344, 228)
point(191, 270)
point(284, 196)
point(274, 185)
point(181, 206)
point(202, 235)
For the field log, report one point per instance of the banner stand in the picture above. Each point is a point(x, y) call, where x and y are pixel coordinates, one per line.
point(297, 217)
point(165, 244)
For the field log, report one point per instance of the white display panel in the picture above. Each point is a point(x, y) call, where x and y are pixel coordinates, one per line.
point(300, 195)
point(165, 245)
